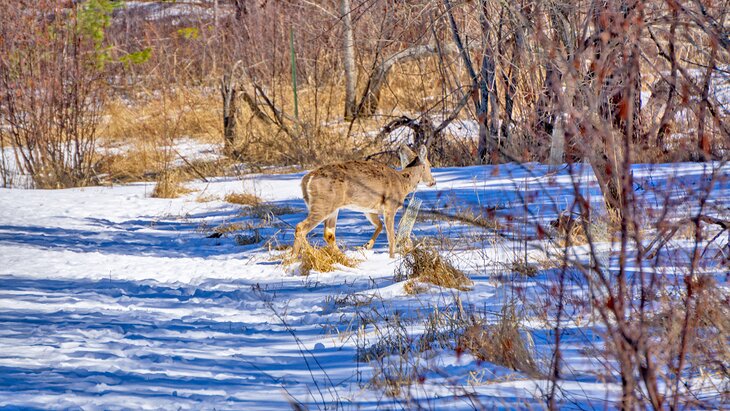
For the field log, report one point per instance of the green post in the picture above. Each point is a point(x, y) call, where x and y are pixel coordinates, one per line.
point(294, 73)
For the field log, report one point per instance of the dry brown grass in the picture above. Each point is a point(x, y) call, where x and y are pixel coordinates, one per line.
point(396, 385)
point(189, 111)
point(205, 198)
point(413, 287)
point(263, 143)
point(143, 162)
point(412, 86)
point(425, 265)
point(268, 211)
point(170, 185)
point(207, 168)
point(151, 121)
point(708, 330)
point(572, 230)
point(499, 343)
point(247, 199)
point(322, 259)
point(228, 228)
point(521, 267)
point(138, 133)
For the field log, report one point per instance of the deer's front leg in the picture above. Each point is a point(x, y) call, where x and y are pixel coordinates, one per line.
point(302, 229)
point(390, 230)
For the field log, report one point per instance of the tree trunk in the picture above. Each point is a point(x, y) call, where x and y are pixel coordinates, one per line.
point(557, 142)
point(559, 137)
point(348, 55)
point(619, 103)
point(550, 105)
point(228, 93)
point(215, 35)
point(511, 80)
point(606, 163)
point(704, 149)
point(488, 92)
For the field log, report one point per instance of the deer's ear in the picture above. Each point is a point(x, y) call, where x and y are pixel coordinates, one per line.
point(405, 155)
point(423, 152)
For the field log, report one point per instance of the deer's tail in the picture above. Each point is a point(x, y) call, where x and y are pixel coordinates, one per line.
point(305, 188)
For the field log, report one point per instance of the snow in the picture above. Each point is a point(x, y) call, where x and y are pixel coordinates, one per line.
point(185, 147)
point(112, 299)
point(187, 9)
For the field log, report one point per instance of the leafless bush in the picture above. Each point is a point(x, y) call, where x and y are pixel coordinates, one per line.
point(52, 88)
point(403, 360)
point(500, 343)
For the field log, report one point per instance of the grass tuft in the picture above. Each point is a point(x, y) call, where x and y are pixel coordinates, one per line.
point(243, 199)
point(226, 229)
point(523, 268)
point(205, 198)
point(267, 211)
point(322, 259)
point(499, 343)
point(170, 185)
point(254, 237)
point(425, 265)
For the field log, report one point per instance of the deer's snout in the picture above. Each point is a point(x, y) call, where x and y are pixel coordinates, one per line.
point(431, 183)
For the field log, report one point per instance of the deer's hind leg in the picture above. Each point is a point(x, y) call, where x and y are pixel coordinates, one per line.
point(375, 219)
point(330, 225)
point(304, 227)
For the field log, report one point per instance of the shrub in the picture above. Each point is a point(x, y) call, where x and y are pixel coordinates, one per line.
point(424, 264)
point(169, 185)
point(52, 87)
point(500, 343)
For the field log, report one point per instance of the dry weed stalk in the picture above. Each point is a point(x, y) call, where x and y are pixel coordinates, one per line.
point(500, 343)
point(424, 264)
point(321, 259)
point(170, 185)
point(247, 199)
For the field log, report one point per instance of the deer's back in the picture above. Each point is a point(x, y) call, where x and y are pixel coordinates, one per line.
point(361, 185)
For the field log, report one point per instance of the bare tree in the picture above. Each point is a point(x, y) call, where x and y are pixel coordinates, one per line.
point(348, 59)
point(229, 93)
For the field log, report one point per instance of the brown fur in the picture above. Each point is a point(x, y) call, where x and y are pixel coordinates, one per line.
point(366, 186)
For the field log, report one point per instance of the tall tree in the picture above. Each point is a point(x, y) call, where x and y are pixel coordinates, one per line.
point(615, 73)
point(348, 59)
point(484, 82)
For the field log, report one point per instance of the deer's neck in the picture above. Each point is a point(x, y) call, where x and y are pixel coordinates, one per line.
point(411, 177)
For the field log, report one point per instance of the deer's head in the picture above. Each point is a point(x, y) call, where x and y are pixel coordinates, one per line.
point(420, 164)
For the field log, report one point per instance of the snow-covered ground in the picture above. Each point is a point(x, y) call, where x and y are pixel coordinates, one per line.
point(112, 299)
point(183, 151)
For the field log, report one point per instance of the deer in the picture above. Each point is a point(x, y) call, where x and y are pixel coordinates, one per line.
point(372, 188)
